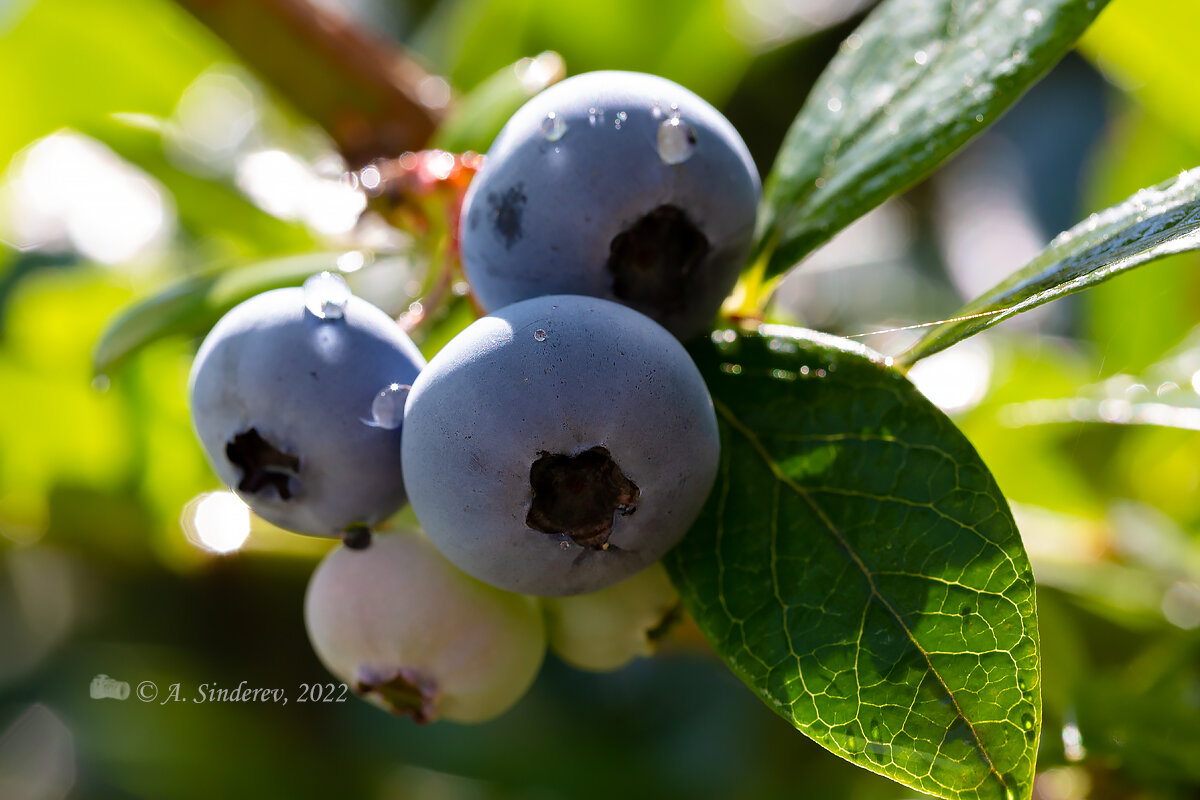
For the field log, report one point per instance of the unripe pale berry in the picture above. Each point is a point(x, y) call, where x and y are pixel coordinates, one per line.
point(605, 630)
point(408, 631)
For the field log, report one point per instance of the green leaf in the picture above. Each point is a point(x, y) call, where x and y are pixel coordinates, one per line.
point(1137, 150)
point(194, 304)
point(913, 84)
point(1149, 47)
point(1156, 222)
point(111, 42)
point(207, 207)
point(857, 566)
point(471, 39)
point(478, 116)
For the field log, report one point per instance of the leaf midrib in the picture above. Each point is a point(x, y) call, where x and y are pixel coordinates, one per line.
point(725, 412)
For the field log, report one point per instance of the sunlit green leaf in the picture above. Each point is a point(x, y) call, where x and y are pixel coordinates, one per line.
point(914, 83)
point(857, 566)
point(1148, 46)
point(194, 304)
point(688, 41)
point(1138, 150)
point(478, 116)
point(114, 55)
point(1155, 222)
point(208, 207)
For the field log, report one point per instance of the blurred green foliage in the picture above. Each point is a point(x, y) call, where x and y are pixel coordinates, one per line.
point(97, 575)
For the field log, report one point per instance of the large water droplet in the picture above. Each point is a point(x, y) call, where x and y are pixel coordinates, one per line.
point(326, 295)
point(553, 127)
point(676, 140)
point(387, 409)
point(539, 335)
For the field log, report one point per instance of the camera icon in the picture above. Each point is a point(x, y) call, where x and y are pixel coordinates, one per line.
point(104, 686)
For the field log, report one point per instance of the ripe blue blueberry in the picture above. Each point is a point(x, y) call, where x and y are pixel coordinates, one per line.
point(297, 397)
point(559, 445)
point(617, 185)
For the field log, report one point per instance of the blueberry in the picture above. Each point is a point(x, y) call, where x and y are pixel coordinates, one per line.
point(559, 445)
point(616, 185)
point(299, 408)
point(411, 633)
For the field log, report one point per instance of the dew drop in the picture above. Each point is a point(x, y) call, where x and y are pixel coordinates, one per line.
point(619, 118)
point(853, 742)
point(595, 116)
point(553, 127)
point(834, 105)
point(387, 407)
point(676, 140)
point(921, 57)
point(539, 335)
point(326, 295)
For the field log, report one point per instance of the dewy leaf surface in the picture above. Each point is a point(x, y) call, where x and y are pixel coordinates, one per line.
point(1155, 222)
point(857, 566)
point(192, 305)
point(916, 81)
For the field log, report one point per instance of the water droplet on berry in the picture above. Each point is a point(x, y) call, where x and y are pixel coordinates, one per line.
point(676, 140)
point(539, 335)
point(553, 127)
point(619, 118)
point(387, 408)
point(326, 295)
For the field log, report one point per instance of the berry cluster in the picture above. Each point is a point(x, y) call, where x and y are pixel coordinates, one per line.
point(558, 446)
